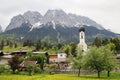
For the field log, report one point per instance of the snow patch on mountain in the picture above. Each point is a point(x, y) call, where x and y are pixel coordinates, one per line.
point(53, 25)
point(36, 25)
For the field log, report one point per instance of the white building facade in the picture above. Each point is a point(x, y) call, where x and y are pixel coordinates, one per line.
point(60, 57)
point(82, 44)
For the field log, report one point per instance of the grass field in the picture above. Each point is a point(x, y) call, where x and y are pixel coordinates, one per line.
point(114, 76)
point(7, 49)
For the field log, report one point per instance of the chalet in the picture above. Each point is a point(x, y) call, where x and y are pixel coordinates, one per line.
point(57, 58)
point(53, 58)
point(60, 59)
point(25, 64)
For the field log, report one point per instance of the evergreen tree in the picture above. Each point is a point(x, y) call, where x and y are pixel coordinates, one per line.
point(2, 45)
point(15, 45)
point(28, 43)
point(38, 45)
point(97, 42)
point(73, 47)
point(116, 41)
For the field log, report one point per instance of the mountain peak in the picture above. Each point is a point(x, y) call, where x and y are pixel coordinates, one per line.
point(16, 21)
point(55, 13)
point(32, 16)
point(58, 16)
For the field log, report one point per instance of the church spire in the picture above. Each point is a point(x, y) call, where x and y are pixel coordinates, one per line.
point(82, 42)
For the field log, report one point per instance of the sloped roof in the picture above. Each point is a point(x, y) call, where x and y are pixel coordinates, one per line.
point(27, 63)
point(53, 56)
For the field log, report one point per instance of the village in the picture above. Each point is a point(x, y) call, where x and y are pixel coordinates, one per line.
point(58, 63)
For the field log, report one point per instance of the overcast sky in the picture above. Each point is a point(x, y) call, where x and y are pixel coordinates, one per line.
point(104, 12)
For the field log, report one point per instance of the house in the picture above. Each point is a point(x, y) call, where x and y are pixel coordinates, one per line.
point(53, 58)
point(25, 64)
point(57, 58)
point(60, 59)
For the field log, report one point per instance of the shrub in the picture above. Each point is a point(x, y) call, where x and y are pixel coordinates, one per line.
point(37, 70)
point(30, 69)
point(2, 69)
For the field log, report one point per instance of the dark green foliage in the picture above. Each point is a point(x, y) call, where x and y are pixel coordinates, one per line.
point(30, 69)
point(73, 47)
point(116, 41)
point(10, 44)
point(21, 59)
point(2, 69)
point(28, 43)
point(97, 42)
point(105, 41)
point(15, 45)
point(59, 45)
point(40, 58)
point(7, 42)
point(38, 45)
point(2, 45)
point(29, 55)
point(66, 49)
point(37, 69)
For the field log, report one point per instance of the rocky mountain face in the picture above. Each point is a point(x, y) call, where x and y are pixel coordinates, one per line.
point(1, 29)
point(55, 25)
point(27, 17)
point(53, 16)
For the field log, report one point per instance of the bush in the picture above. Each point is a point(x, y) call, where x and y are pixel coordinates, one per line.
point(7, 68)
point(30, 69)
point(2, 69)
point(37, 70)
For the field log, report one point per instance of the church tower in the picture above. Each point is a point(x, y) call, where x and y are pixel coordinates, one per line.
point(82, 43)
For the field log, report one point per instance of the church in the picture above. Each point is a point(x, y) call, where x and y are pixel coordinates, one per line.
point(82, 44)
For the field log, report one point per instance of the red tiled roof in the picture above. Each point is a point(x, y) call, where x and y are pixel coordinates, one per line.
point(53, 56)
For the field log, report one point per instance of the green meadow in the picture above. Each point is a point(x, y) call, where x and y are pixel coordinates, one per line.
point(24, 76)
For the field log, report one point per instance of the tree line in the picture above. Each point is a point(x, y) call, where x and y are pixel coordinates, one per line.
point(113, 42)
